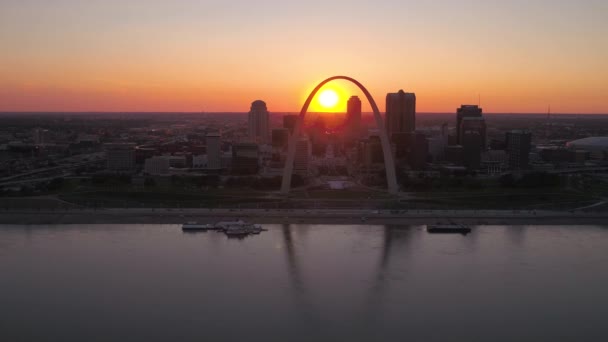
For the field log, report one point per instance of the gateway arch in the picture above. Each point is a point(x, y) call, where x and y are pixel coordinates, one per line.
point(389, 162)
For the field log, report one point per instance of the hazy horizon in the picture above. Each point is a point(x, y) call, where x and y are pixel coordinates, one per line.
point(366, 113)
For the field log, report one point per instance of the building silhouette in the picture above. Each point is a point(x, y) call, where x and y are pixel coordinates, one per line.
point(259, 122)
point(157, 166)
point(245, 158)
point(466, 111)
point(370, 157)
point(473, 137)
point(438, 144)
point(400, 112)
point(41, 136)
point(302, 157)
point(519, 144)
point(352, 126)
point(419, 151)
point(411, 148)
point(318, 136)
point(400, 142)
point(280, 139)
point(214, 153)
point(289, 122)
point(493, 162)
point(121, 157)
point(454, 154)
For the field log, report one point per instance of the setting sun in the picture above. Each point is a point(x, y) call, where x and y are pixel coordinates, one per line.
point(328, 99)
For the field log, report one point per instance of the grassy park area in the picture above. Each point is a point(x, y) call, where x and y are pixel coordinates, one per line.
point(544, 193)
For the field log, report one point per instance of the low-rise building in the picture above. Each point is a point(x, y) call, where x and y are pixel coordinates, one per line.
point(121, 157)
point(157, 166)
point(200, 162)
point(245, 158)
point(597, 147)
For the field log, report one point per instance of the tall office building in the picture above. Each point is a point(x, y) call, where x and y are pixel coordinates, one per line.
point(400, 112)
point(473, 137)
point(466, 111)
point(438, 143)
point(259, 122)
point(518, 148)
point(214, 152)
point(302, 157)
point(352, 125)
point(289, 122)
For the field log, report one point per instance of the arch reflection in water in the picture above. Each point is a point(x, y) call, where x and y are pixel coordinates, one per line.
point(372, 299)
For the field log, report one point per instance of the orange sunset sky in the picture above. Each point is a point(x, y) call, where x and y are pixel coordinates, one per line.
point(216, 56)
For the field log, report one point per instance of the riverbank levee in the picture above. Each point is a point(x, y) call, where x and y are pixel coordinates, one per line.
point(333, 216)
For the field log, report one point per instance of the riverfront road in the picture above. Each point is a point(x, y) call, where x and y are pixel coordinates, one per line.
point(326, 216)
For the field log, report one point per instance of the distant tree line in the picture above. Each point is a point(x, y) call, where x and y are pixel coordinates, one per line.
point(472, 182)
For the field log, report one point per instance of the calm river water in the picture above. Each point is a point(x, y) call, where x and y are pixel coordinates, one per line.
point(303, 283)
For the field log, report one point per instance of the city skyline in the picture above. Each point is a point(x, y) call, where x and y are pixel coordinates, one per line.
point(326, 170)
point(190, 57)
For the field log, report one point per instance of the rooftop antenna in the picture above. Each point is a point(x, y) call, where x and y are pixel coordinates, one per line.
point(479, 100)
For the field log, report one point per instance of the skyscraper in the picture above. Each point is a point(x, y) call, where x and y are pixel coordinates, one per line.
point(473, 137)
point(352, 125)
point(213, 151)
point(259, 122)
point(438, 143)
point(518, 148)
point(400, 112)
point(466, 111)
